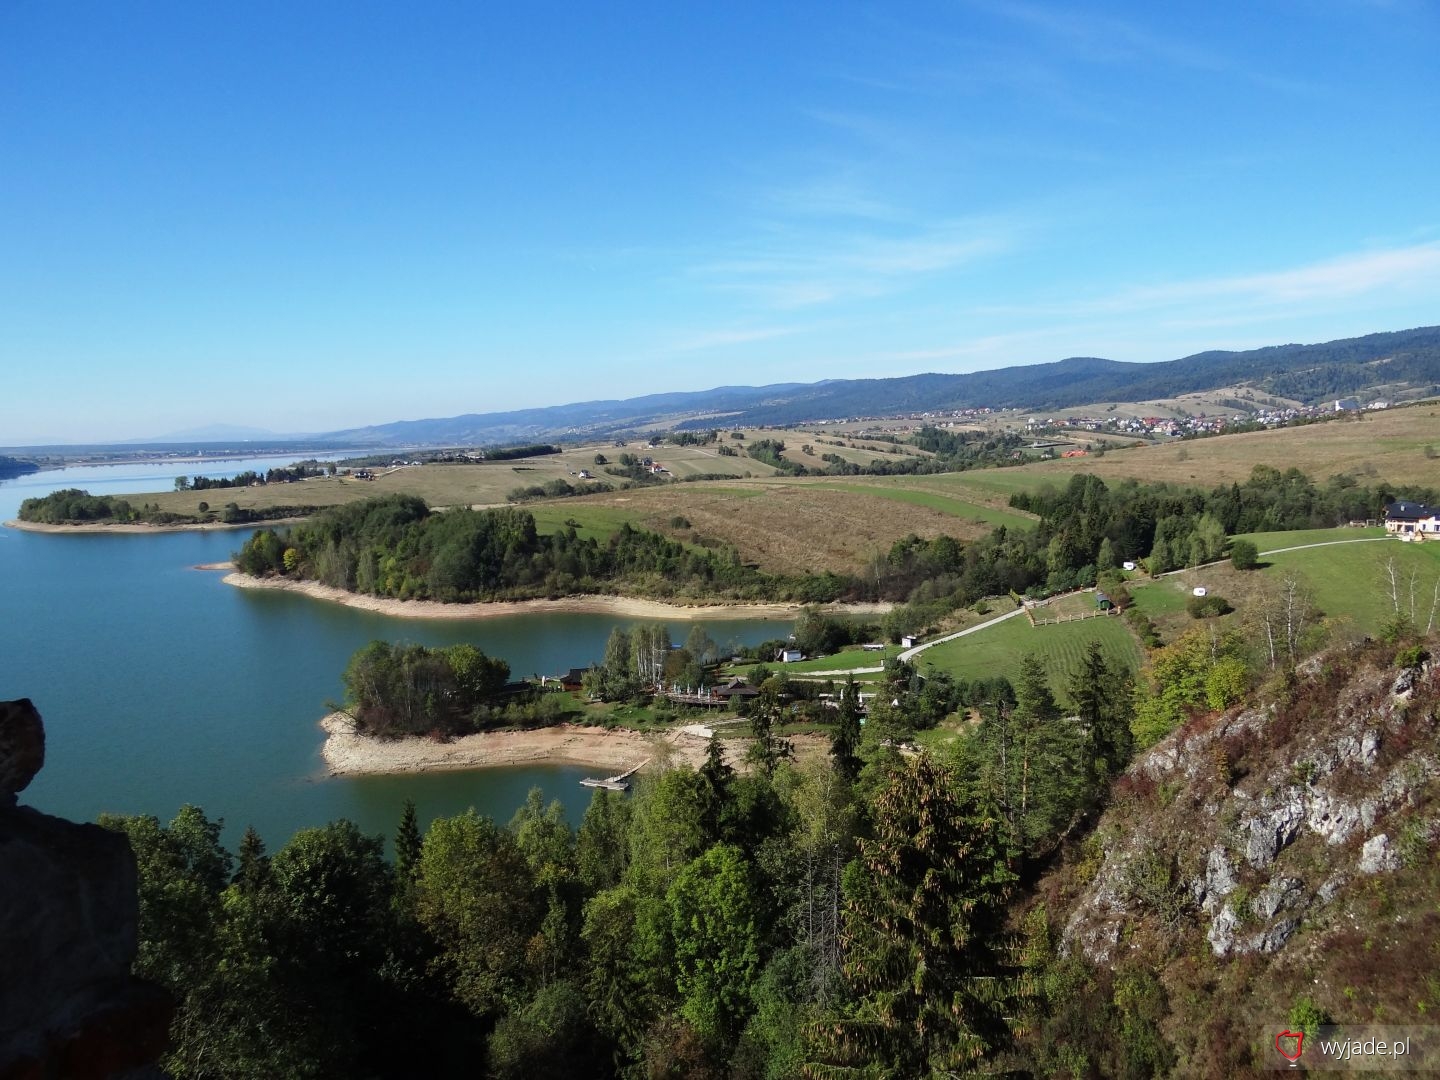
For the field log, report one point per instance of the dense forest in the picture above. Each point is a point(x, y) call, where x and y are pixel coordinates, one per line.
point(716, 924)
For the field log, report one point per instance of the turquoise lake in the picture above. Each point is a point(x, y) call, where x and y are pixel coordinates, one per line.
point(162, 686)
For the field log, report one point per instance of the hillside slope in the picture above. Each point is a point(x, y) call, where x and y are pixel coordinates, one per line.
point(1394, 365)
point(1256, 868)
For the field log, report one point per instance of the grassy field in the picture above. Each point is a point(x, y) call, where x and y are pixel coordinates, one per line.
point(1273, 541)
point(999, 650)
point(1348, 581)
point(782, 526)
point(1165, 596)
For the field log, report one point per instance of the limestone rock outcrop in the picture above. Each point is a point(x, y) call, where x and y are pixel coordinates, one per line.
point(1258, 825)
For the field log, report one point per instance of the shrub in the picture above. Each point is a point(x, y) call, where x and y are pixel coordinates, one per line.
point(1208, 607)
point(1244, 555)
point(1412, 657)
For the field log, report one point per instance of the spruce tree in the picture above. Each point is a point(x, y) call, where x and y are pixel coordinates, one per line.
point(1102, 698)
point(407, 846)
point(252, 874)
point(930, 967)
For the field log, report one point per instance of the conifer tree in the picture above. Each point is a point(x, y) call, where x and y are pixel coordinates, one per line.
point(252, 873)
point(1103, 699)
point(845, 742)
point(928, 962)
point(407, 846)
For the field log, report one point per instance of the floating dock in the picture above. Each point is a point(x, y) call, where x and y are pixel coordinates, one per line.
point(618, 782)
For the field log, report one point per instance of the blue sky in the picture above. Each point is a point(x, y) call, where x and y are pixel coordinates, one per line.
point(307, 216)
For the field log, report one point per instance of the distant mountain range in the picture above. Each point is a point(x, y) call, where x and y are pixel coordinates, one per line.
point(1400, 364)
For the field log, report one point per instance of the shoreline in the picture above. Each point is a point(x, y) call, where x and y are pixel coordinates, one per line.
point(601, 604)
point(605, 749)
point(96, 527)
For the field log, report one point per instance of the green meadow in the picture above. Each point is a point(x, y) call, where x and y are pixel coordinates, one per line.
point(1061, 647)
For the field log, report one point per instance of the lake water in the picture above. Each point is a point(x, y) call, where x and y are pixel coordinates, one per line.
point(161, 686)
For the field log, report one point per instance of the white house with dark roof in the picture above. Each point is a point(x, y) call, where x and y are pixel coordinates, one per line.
point(1412, 520)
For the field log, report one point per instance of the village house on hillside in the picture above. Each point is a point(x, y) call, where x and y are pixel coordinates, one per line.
point(1412, 520)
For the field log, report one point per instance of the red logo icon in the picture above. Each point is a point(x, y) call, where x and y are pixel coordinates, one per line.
point(1281, 1040)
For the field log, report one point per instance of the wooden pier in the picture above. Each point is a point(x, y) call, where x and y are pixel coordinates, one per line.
point(618, 782)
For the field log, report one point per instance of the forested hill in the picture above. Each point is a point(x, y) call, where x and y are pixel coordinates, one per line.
point(1386, 364)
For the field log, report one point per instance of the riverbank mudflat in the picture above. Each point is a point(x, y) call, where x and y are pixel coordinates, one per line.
point(625, 606)
point(611, 750)
point(141, 527)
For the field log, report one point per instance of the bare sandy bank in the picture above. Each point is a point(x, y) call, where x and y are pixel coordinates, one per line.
point(141, 527)
point(626, 606)
point(607, 750)
point(610, 751)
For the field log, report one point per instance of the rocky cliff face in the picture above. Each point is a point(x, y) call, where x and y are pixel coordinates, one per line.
point(1241, 791)
point(69, 913)
point(1278, 852)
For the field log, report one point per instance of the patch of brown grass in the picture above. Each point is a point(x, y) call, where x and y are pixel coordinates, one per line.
point(787, 528)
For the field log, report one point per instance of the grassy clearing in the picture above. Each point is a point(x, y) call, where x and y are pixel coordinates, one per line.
point(998, 651)
point(1079, 603)
point(1165, 596)
point(1272, 541)
point(1348, 581)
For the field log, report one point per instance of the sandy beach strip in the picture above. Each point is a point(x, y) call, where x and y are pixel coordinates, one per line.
point(141, 527)
point(607, 750)
point(626, 606)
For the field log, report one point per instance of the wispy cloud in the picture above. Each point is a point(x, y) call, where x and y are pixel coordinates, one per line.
point(837, 196)
point(1403, 269)
point(719, 339)
point(792, 269)
point(1333, 279)
point(1104, 39)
